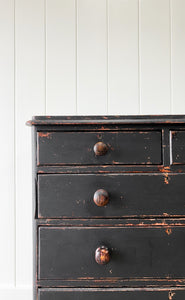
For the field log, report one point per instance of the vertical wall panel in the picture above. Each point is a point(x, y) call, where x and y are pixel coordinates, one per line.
point(7, 233)
point(155, 56)
point(30, 101)
point(60, 57)
point(16, 294)
point(178, 56)
point(123, 57)
point(91, 57)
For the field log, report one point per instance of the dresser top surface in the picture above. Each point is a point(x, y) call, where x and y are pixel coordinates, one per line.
point(79, 120)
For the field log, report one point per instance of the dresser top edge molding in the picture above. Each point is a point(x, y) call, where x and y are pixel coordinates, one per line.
point(107, 119)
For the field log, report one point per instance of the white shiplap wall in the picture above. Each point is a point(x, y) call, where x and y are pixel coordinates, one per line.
point(76, 57)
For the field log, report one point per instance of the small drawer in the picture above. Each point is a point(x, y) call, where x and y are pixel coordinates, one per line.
point(109, 294)
point(111, 195)
point(178, 147)
point(93, 148)
point(71, 253)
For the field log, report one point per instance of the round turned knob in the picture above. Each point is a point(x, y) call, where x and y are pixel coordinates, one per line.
point(100, 148)
point(101, 197)
point(102, 255)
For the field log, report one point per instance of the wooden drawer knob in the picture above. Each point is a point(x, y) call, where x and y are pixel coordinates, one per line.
point(102, 255)
point(101, 197)
point(100, 149)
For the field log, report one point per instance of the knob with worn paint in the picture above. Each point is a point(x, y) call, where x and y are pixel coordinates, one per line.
point(100, 149)
point(101, 197)
point(102, 255)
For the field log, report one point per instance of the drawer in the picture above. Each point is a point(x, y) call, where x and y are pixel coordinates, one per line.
point(109, 294)
point(134, 194)
point(147, 252)
point(178, 147)
point(93, 148)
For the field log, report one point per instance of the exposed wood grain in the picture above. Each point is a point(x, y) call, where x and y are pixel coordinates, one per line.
point(151, 222)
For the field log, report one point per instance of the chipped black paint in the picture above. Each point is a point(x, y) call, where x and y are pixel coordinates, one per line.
point(143, 224)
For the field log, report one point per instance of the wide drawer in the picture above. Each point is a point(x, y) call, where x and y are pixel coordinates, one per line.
point(109, 294)
point(69, 253)
point(134, 194)
point(73, 148)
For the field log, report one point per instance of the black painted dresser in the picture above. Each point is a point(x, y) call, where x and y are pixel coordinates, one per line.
point(109, 207)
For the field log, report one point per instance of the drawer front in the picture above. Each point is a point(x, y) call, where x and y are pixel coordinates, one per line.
point(69, 253)
point(73, 148)
point(109, 294)
point(178, 147)
point(73, 195)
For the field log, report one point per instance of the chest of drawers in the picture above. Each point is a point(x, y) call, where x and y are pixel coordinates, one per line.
point(109, 207)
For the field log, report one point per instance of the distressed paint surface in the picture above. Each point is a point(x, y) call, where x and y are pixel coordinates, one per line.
point(141, 226)
point(117, 294)
point(127, 147)
point(134, 253)
point(130, 195)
